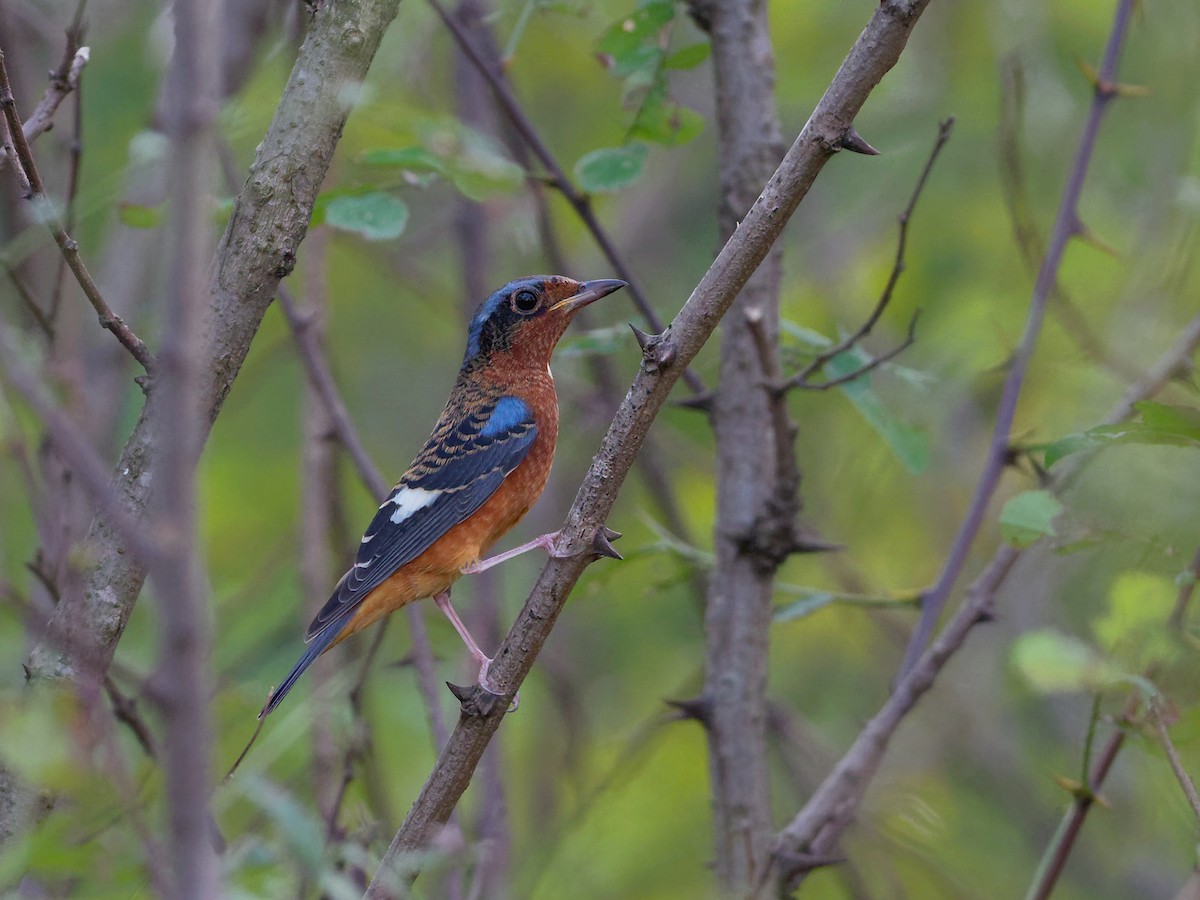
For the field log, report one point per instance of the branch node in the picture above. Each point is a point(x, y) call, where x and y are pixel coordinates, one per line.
point(476, 701)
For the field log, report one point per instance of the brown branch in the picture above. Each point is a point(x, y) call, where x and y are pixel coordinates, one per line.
point(802, 379)
point(557, 178)
point(183, 679)
point(1066, 226)
point(875, 52)
point(1186, 590)
point(757, 492)
point(63, 80)
point(43, 207)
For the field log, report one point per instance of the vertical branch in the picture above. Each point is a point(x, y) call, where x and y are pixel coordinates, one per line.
point(183, 676)
point(318, 502)
point(738, 616)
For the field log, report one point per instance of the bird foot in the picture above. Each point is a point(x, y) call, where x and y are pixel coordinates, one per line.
point(484, 665)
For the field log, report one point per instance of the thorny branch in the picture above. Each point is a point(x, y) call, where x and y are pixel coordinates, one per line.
point(873, 55)
point(31, 181)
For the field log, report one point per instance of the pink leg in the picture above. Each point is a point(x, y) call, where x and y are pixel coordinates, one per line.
point(547, 542)
point(443, 603)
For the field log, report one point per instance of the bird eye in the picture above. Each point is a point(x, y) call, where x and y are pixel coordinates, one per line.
point(525, 301)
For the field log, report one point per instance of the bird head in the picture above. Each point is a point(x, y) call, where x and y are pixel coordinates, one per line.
point(525, 318)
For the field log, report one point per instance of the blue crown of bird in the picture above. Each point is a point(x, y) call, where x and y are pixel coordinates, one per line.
point(485, 464)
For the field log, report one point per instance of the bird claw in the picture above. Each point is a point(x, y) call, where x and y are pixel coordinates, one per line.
point(486, 685)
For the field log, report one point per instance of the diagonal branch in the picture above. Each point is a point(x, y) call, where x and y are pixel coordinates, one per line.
point(1066, 225)
point(873, 55)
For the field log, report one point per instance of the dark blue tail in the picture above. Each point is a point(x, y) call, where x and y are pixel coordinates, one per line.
point(320, 643)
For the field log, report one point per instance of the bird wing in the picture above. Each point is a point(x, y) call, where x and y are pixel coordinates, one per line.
point(465, 460)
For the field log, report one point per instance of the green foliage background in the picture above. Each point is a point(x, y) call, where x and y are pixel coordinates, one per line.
point(607, 796)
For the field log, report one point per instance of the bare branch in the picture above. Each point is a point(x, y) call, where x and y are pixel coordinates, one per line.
point(1164, 735)
point(875, 52)
point(44, 209)
point(63, 80)
point(1066, 225)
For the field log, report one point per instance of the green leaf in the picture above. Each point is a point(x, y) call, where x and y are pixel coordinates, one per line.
point(688, 57)
point(1161, 424)
point(377, 216)
point(1053, 662)
point(611, 168)
point(596, 341)
point(1028, 517)
point(136, 215)
point(625, 37)
point(412, 159)
point(907, 442)
point(811, 600)
point(667, 123)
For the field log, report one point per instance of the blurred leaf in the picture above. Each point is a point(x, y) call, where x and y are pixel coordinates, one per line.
point(1053, 662)
point(1028, 517)
point(598, 340)
point(377, 216)
point(1160, 424)
point(623, 40)
point(812, 600)
point(909, 443)
point(135, 215)
point(300, 829)
point(688, 57)
point(611, 168)
point(1134, 627)
point(415, 159)
point(666, 122)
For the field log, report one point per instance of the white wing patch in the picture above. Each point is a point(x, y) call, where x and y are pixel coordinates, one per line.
point(408, 500)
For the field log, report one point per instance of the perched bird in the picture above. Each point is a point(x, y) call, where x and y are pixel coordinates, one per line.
point(483, 467)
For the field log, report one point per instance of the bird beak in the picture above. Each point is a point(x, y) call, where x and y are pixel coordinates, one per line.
point(589, 291)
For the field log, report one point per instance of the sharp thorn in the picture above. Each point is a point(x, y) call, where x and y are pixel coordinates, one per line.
point(697, 708)
point(602, 543)
point(854, 142)
point(642, 337)
point(462, 692)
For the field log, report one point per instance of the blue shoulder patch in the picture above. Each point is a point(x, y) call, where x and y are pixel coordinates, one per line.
point(508, 414)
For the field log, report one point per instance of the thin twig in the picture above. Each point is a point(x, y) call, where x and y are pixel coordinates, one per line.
point(43, 207)
point(1066, 225)
point(1181, 775)
point(867, 367)
point(802, 378)
point(1186, 590)
point(125, 711)
point(558, 179)
point(63, 80)
point(42, 320)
